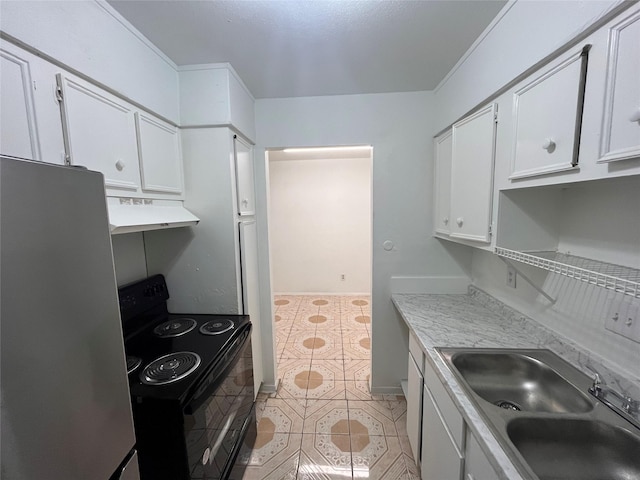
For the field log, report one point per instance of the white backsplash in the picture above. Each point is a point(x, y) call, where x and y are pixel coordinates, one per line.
point(578, 314)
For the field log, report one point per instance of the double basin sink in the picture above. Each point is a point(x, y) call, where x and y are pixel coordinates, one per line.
point(540, 411)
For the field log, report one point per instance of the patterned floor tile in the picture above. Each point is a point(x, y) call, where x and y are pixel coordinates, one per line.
point(328, 345)
point(300, 345)
point(355, 321)
point(376, 416)
point(326, 321)
point(357, 344)
point(325, 457)
point(332, 367)
point(325, 389)
point(357, 369)
point(412, 469)
point(282, 415)
point(359, 390)
point(377, 457)
point(326, 416)
point(274, 456)
point(294, 374)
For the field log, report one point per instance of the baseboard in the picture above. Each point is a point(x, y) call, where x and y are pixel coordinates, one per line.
point(324, 294)
point(269, 387)
point(432, 285)
point(397, 390)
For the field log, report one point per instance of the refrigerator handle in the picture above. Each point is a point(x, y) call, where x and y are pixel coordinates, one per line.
point(128, 469)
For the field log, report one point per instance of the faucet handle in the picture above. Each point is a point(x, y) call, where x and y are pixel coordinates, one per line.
point(596, 387)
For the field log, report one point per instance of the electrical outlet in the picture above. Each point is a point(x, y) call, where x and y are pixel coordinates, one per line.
point(511, 276)
point(623, 318)
point(342, 277)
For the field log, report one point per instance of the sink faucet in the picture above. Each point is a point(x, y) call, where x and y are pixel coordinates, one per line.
point(624, 405)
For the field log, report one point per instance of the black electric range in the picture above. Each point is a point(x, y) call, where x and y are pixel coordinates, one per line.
point(191, 384)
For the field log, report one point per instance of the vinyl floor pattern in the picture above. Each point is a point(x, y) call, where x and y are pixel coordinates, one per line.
point(323, 423)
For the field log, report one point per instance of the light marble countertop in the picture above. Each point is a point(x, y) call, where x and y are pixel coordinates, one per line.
point(478, 320)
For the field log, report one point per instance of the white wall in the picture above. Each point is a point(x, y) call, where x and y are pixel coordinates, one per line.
point(92, 38)
point(398, 126)
point(128, 256)
point(595, 221)
point(524, 33)
point(320, 225)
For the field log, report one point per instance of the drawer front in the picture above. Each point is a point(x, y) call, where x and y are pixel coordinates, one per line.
point(416, 352)
point(414, 408)
point(447, 408)
point(441, 457)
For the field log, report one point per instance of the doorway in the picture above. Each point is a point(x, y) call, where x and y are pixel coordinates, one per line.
point(320, 217)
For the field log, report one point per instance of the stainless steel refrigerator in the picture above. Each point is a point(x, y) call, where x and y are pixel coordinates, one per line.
point(66, 412)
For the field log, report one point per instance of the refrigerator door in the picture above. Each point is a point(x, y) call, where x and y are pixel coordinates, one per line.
point(66, 412)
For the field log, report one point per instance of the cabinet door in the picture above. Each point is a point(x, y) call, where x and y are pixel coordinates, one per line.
point(100, 134)
point(19, 134)
point(251, 294)
point(442, 182)
point(160, 155)
point(473, 153)
point(621, 122)
point(441, 459)
point(476, 465)
point(414, 408)
point(547, 113)
point(244, 177)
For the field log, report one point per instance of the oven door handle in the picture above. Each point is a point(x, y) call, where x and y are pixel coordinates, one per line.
point(225, 365)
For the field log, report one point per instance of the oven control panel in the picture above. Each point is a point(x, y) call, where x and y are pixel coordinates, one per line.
point(141, 296)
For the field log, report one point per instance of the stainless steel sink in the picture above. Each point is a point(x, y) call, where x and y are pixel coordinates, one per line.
point(520, 382)
point(576, 449)
point(538, 407)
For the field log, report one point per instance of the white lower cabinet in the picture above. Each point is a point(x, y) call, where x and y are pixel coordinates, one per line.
point(441, 458)
point(447, 448)
point(414, 404)
point(476, 465)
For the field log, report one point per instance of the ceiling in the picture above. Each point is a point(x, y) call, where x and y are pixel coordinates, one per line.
point(292, 48)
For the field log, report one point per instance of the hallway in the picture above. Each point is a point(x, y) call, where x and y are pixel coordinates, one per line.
point(323, 423)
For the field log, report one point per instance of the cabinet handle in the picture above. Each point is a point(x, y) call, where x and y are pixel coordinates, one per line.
point(460, 221)
point(445, 220)
point(120, 165)
point(245, 202)
point(635, 117)
point(549, 145)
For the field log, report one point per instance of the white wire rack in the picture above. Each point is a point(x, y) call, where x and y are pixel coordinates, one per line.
point(606, 275)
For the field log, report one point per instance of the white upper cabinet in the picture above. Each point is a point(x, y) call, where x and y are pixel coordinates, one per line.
point(245, 192)
point(100, 134)
point(19, 134)
point(621, 121)
point(160, 155)
point(138, 154)
point(473, 151)
point(214, 95)
point(442, 182)
point(547, 118)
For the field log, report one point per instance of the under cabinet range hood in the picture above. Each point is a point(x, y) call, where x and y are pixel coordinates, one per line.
point(128, 215)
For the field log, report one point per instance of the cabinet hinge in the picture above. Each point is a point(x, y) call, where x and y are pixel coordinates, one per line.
point(490, 229)
point(495, 117)
point(59, 94)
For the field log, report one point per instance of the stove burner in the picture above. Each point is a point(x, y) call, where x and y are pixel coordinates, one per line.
point(132, 363)
point(216, 327)
point(170, 368)
point(175, 327)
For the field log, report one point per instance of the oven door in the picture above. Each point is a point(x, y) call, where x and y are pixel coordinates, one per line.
point(219, 413)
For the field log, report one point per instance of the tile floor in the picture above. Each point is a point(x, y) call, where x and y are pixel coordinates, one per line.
point(323, 423)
